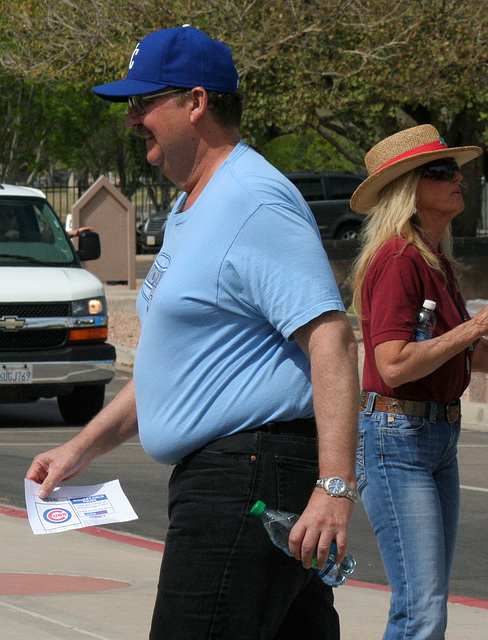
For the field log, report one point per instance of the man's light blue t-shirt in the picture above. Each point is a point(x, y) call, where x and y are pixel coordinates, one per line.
point(237, 274)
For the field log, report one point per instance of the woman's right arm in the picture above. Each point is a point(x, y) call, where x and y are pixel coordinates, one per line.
point(402, 361)
point(480, 356)
point(116, 423)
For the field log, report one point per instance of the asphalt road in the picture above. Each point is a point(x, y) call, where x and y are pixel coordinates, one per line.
point(26, 430)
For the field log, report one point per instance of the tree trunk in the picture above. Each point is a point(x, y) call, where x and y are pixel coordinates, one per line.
point(464, 132)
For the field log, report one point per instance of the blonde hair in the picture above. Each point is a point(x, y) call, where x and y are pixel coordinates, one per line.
point(395, 216)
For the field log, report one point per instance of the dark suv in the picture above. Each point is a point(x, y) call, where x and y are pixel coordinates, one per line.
point(150, 233)
point(328, 195)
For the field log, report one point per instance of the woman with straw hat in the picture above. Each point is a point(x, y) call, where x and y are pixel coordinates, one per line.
point(410, 408)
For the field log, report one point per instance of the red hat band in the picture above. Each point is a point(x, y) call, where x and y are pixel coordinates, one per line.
point(431, 146)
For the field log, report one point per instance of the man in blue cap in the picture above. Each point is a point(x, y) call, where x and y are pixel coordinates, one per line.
point(245, 356)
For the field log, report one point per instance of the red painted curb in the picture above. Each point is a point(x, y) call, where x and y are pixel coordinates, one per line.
point(14, 512)
point(26, 584)
point(467, 602)
point(142, 543)
point(159, 546)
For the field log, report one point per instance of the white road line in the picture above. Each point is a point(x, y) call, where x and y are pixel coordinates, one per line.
point(54, 444)
point(52, 621)
point(472, 446)
point(468, 488)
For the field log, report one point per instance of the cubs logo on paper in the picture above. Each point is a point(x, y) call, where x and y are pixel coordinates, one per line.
point(56, 516)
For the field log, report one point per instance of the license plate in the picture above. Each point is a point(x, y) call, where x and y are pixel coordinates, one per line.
point(16, 373)
point(151, 240)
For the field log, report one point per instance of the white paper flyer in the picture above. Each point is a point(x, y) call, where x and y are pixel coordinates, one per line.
point(70, 507)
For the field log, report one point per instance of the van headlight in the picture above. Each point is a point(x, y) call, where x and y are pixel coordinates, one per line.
point(89, 306)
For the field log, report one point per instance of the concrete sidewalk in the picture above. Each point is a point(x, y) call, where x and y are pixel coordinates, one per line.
point(93, 583)
point(71, 585)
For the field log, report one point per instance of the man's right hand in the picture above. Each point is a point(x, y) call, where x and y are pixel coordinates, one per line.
point(52, 467)
point(115, 424)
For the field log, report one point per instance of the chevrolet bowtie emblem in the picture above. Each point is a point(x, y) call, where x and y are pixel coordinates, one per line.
point(11, 323)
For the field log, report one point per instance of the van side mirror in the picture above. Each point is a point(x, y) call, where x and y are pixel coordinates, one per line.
point(88, 246)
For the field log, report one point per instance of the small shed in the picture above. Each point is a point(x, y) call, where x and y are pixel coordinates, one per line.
point(108, 212)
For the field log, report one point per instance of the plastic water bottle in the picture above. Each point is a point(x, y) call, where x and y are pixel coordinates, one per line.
point(278, 525)
point(425, 322)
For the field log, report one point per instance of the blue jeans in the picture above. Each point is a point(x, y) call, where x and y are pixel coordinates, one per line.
point(409, 483)
point(221, 576)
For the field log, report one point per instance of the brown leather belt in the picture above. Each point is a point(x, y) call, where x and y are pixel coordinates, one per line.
point(414, 408)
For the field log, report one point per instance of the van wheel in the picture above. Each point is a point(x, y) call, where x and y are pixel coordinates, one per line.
point(82, 404)
point(347, 232)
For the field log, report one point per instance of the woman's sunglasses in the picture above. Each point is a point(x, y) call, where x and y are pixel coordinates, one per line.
point(443, 170)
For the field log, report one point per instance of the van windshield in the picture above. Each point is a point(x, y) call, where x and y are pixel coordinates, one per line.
point(30, 232)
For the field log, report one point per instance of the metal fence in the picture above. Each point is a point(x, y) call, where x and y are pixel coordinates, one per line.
point(147, 198)
point(62, 198)
point(154, 198)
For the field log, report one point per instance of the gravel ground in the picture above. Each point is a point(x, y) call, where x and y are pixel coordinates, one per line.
point(123, 329)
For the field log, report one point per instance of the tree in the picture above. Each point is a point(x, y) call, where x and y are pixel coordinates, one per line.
point(439, 77)
point(16, 109)
point(352, 70)
point(305, 151)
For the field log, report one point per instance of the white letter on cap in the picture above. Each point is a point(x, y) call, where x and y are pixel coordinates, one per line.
point(134, 53)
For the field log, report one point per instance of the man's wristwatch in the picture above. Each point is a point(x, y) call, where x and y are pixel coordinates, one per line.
point(337, 488)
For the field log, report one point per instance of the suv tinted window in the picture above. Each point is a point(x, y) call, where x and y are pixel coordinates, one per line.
point(311, 188)
point(342, 187)
point(327, 195)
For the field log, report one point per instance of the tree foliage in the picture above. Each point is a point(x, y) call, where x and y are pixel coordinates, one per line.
point(352, 70)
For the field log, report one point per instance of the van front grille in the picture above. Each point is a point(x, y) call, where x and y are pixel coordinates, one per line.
point(35, 310)
point(28, 340)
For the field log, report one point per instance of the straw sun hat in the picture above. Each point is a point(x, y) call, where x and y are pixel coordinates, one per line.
point(400, 153)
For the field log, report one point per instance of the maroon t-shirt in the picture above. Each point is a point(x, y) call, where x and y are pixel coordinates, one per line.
point(395, 287)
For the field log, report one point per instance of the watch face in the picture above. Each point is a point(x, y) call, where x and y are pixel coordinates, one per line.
point(336, 486)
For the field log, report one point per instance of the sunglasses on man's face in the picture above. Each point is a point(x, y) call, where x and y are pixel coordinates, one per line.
point(139, 102)
point(443, 170)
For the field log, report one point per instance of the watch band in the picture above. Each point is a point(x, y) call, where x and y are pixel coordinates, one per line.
point(337, 488)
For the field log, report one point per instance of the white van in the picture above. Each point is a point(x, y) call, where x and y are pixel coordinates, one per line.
point(53, 313)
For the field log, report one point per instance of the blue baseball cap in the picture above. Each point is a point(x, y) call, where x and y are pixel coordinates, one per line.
point(177, 57)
